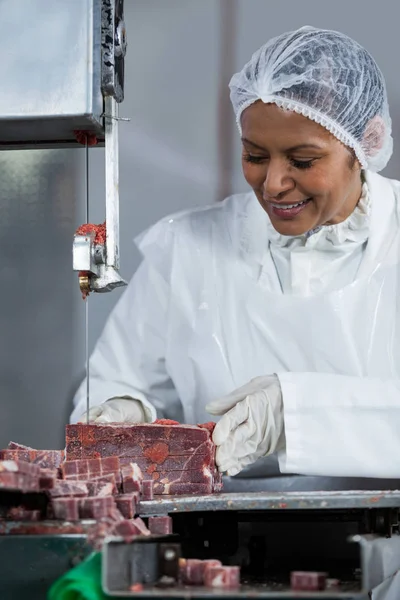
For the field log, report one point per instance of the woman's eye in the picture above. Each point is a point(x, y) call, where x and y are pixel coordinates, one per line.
point(253, 159)
point(302, 164)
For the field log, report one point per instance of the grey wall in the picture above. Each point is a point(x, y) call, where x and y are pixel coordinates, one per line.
point(180, 149)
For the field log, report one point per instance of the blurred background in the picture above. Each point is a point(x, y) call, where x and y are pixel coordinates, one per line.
point(180, 149)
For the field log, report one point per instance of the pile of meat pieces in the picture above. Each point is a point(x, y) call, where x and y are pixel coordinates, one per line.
point(99, 489)
point(179, 459)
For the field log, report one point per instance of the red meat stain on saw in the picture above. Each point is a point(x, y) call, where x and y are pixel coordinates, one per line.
point(100, 234)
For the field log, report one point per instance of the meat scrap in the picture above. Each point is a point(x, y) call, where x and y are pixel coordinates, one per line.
point(100, 486)
point(46, 459)
point(66, 509)
point(148, 489)
point(128, 529)
point(47, 478)
point(75, 489)
point(222, 577)
point(96, 507)
point(192, 570)
point(132, 478)
point(127, 503)
point(307, 581)
point(160, 525)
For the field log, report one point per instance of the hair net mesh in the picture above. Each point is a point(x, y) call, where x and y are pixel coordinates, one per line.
point(327, 77)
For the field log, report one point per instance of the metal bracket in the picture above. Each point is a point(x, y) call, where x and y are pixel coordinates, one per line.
point(113, 44)
point(149, 560)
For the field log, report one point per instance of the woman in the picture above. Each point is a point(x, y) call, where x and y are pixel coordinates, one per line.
point(293, 287)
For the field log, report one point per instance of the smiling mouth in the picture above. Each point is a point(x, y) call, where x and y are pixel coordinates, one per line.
point(289, 206)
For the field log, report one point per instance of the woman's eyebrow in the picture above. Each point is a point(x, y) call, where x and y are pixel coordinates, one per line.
point(291, 149)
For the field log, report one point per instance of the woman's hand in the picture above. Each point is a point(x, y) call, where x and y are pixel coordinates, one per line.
point(252, 424)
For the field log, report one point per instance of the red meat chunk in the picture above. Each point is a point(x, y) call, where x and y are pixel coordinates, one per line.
point(160, 525)
point(18, 513)
point(76, 489)
point(132, 478)
point(126, 504)
point(148, 489)
point(130, 529)
point(46, 459)
point(104, 485)
point(103, 528)
point(66, 509)
point(19, 466)
point(96, 507)
point(307, 581)
point(222, 577)
point(47, 478)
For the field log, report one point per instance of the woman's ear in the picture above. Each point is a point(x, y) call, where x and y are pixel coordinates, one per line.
point(374, 135)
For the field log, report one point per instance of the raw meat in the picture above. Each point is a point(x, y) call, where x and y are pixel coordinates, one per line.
point(96, 508)
point(77, 489)
point(160, 525)
point(47, 478)
point(182, 489)
point(102, 484)
point(47, 459)
point(16, 446)
point(18, 513)
point(307, 581)
point(19, 466)
point(165, 422)
point(126, 504)
point(99, 231)
point(192, 570)
point(222, 577)
point(66, 509)
point(131, 478)
point(129, 529)
point(158, 449)
point(148, 489)
point(103, 528)
point(89, 468)
point(124, 439)
point(18, 482)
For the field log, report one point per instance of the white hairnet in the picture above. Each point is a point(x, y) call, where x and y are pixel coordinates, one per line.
point(327, 77)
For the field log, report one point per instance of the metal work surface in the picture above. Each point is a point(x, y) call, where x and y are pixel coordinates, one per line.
point(246, 591)
point(31, 564)
point(272, 501)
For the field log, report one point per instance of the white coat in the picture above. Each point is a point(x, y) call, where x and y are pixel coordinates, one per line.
point(206, 312)
point(220, 298)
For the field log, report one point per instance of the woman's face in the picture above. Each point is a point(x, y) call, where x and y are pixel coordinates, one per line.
point(302, 175)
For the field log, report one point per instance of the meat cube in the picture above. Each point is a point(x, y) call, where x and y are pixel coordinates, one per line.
point(66, 509)
point(16, 481)
point(160, 525)
point(148, 489)
point(47, 478)
point(101, 486)
point(49, 459)
point(103, 528)
point(131, 478)
point(192, 570)
point(222, 577)
point(18, 513)
point(16, 454)
point(96, 508)
point(307, 581)
point(128, 529)
point(126, 504)
point(19, 466)
point(76, 489)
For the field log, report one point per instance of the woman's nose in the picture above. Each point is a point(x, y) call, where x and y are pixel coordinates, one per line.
point(277, 180)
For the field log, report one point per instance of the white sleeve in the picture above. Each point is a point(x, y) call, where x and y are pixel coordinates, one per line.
point(129, 357)
point(337, 425)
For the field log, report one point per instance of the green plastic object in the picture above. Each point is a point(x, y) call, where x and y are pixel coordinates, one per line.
point(80, 583)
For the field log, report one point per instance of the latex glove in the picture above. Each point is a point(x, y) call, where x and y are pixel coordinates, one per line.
point(252, 424)
point(119, 410)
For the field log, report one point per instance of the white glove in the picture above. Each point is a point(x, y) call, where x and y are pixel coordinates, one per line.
point(252, 424)
point(119, 410)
